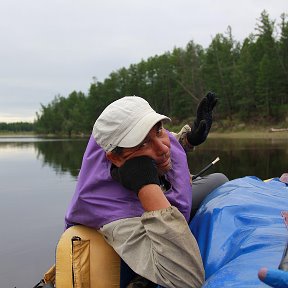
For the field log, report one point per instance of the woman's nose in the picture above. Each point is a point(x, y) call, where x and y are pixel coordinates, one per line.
point(161, 147)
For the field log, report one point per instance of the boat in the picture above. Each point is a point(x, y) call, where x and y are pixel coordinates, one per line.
point(240, 227)
point(83, 259)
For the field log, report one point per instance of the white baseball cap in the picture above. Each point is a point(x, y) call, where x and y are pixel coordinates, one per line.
point(125, 123)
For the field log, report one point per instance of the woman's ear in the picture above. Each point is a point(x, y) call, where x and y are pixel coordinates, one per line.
point(116, 159)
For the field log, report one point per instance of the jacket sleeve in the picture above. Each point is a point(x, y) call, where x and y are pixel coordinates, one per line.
point(158, 246)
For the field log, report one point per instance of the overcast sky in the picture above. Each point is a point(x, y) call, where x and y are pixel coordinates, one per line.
point(52, 47)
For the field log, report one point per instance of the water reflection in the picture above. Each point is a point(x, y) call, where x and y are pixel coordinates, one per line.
point(264, 158)
point(259, 157)
point(63, 156)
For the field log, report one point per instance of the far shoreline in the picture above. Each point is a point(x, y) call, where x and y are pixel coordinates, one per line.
point(245, 134)
point(249, 135)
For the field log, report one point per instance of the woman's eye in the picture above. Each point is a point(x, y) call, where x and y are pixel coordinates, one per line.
point(160, 130)
point(143, 144)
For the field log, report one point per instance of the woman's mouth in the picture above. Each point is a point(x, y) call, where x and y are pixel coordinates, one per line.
point(166, 163)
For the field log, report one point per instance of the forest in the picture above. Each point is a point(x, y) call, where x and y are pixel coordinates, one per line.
point(17, 127)
point(250, 79)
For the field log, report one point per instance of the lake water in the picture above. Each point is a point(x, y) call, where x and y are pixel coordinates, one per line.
point(38, 178)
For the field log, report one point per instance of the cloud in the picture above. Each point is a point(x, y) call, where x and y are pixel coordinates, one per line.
point(52, 47)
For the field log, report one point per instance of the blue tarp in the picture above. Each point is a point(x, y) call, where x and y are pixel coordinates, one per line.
point(240, 228)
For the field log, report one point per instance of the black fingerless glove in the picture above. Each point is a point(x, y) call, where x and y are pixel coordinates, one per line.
point(198, 133)
point(136, 173)
point(203, 122)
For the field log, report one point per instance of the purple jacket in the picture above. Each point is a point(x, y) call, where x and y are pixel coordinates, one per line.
point(99, 200)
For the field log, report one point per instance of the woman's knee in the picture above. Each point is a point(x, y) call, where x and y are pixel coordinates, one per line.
point(219, 179)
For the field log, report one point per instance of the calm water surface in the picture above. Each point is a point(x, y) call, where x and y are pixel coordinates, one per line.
point(38, 178)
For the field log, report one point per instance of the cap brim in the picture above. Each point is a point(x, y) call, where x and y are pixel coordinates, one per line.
point(138, 133)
